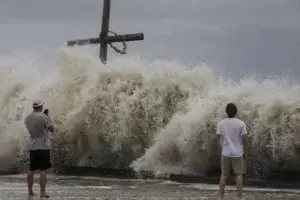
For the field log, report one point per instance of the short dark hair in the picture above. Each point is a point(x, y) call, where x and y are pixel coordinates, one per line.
point(231, 110)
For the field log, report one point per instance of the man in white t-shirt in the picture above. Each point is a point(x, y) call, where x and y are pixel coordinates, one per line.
point(233, 138)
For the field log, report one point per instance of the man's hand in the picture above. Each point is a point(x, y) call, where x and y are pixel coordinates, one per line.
point(46, 112)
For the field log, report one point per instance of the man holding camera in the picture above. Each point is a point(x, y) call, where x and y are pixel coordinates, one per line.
point(39, 124)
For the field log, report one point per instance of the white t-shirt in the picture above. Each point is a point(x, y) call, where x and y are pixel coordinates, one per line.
point(232, 131)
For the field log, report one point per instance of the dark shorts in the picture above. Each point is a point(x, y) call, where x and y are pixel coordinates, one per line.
point(39, 160)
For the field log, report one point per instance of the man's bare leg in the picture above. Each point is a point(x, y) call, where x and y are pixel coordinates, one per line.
point(43, 182)
point(30, 180)
point(222, 186)
point(239, 185)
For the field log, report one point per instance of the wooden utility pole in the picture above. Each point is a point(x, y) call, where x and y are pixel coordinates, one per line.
point(104, 39)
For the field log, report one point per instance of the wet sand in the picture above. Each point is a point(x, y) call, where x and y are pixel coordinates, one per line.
point(73, 188)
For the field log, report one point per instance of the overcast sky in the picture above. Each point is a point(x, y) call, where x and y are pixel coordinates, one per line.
point(235, 37)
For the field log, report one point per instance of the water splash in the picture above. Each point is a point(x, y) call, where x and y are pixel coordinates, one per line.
point(158, 116)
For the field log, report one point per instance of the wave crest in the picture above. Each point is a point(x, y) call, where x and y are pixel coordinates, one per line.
point(158, 116)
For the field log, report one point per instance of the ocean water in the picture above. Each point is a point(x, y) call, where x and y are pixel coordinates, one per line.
point(159, 116)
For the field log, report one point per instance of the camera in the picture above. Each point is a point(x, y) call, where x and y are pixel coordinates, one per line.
point(46, 111)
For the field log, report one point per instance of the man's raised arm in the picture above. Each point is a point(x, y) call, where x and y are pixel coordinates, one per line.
point(49, 124)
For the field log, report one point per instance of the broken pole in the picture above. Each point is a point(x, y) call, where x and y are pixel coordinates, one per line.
point(103, 38)
point(104, 30)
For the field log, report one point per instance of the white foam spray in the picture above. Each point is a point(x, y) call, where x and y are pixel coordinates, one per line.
point(158, 116)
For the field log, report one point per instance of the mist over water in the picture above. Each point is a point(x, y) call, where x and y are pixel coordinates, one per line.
point(159, 116)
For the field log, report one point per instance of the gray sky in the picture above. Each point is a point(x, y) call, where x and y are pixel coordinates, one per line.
point(235, 37)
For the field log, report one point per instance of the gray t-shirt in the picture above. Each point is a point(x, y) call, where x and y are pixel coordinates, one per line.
point(38, 125)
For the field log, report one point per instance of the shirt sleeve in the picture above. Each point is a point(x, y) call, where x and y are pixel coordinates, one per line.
point(48, 123)
point(244, 130)
point(219, 129)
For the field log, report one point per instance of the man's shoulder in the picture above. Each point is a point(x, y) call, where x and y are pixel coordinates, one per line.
point(224, 121)
point(28, 117)
point(231, 121)
point(221, 122)
point(36, 116)
point(241, 122)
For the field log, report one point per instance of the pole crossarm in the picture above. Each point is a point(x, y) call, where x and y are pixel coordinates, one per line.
point(108, 39)
point(104, 39)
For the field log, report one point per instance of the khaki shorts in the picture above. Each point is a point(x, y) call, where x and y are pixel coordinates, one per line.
point(237, 165)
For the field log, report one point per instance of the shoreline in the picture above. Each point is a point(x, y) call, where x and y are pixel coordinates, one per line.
point(290, 180)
